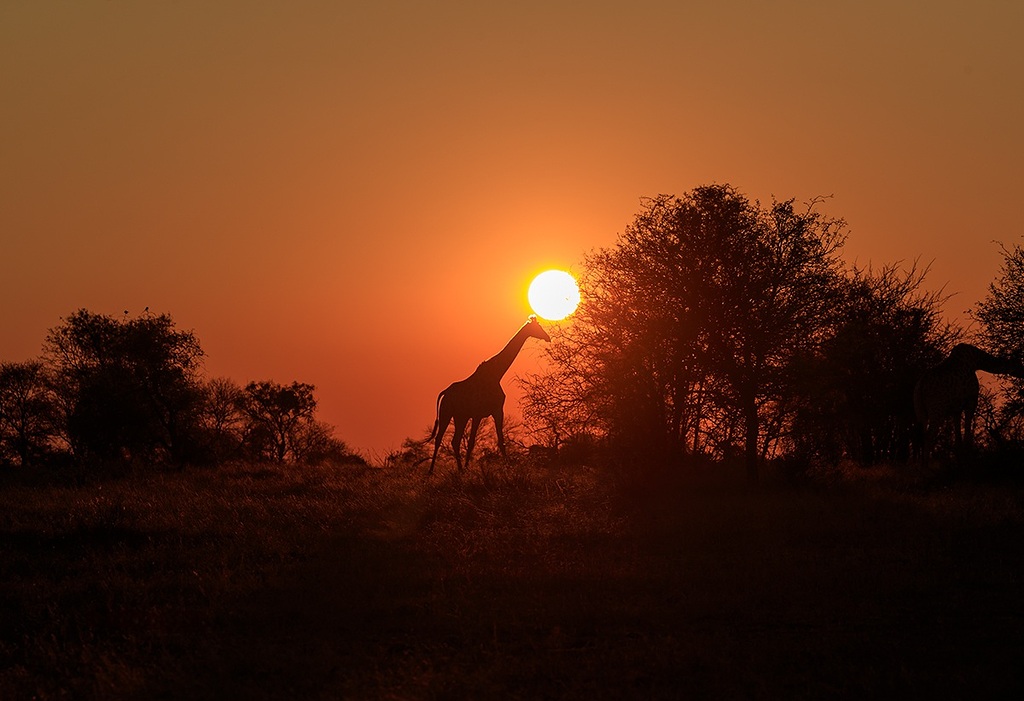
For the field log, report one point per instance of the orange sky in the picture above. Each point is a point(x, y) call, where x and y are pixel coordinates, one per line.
point(356, 195)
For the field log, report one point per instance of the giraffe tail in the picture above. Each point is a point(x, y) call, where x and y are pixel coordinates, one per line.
point(437, 416)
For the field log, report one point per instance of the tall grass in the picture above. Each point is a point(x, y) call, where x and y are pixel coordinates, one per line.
point(510, 581)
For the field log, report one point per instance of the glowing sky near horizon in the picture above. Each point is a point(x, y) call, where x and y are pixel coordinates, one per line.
point(356, 195)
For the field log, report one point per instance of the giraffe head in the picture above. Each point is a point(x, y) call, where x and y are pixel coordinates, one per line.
point(533, 328)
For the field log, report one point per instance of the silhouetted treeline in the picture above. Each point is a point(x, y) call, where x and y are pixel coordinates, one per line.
point(1000, 317)
point(720, 328)
point(119, 392)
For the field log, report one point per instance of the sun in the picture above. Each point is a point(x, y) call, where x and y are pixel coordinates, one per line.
point(554, 295)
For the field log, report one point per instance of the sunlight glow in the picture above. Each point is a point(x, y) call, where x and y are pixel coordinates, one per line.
point(554, 295)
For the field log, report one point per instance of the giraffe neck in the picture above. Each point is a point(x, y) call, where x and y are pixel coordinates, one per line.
point(500, 363)
point(973, 359)
point(999, 366)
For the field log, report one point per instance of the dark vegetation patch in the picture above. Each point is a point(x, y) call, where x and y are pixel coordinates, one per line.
point(561, 583)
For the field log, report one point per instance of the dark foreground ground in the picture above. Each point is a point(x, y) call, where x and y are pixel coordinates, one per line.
point(317, 584)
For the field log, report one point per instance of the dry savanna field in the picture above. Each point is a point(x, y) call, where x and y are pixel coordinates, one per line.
point(521, 581)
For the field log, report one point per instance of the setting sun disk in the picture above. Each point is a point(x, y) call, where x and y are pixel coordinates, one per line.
point(554, 295)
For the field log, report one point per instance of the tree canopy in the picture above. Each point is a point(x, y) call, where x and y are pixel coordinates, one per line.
point(129, 386)
point(1001, 318)
point(699, 328)
point(130, 391)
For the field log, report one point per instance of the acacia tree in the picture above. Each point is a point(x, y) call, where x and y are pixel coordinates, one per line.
point(1001, 312)
point(853, 397)
point(127, 387)
point(688, 331)
point(1001, 317)
point(559, 404)
point(279, 416)
point(268, 421)
point(221, 419)
point(28, 416)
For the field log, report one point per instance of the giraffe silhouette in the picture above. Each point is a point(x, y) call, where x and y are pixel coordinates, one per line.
point(949, 391)
point(478, 396)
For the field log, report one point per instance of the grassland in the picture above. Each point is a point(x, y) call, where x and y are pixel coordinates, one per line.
point(278, 582)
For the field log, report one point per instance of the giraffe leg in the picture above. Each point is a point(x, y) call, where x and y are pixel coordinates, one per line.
point(969, 429)
point(474, 426)
point(460, 428)
point(440, 429)
point(931, 434)
point(958, 435)
point(499, 430)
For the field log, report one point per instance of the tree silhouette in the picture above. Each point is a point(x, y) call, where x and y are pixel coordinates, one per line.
point(690, 325)
point(854, 394)
point(278, 415)
point(557, 404)
point(221, 420)
point(128, 388)
point(119, 391)
point(1001, 317)
point(1001, 312)
point(28, 413)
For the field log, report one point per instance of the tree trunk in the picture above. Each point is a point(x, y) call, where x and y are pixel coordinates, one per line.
point(750, 439)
